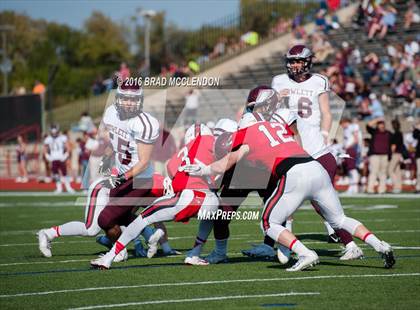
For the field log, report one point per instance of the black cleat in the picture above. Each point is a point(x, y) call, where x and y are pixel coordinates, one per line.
point(333, 238)
point(389, 259)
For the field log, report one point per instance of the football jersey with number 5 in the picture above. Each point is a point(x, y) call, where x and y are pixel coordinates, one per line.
point(303, 100)
point(126, 134)
point(271, 145)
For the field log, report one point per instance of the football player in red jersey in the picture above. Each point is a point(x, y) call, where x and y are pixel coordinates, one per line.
point(191, 194)
point(298, 176)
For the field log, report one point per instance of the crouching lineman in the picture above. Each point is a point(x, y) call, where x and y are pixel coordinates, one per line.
point(299, 177)
point(191, 194)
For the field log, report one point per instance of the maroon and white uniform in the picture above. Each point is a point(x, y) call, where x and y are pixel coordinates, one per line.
point(57, 153)
point(124, 136)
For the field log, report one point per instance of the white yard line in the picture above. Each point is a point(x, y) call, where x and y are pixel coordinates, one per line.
point(172, 301)
point(102, 288)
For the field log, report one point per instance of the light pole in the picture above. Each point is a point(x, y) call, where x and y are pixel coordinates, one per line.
point(6, 65)
point(147, 15)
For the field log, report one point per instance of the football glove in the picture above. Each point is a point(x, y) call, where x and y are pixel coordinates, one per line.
point(114, 181)
point(106, 165)
point(196, 170)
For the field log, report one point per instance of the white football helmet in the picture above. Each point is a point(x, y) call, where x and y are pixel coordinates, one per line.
point(194, 130)
point(224, 125)
point(249, 119)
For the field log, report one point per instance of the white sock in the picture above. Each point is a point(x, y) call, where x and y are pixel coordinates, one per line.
point(351, 244)
point(330, 230)
point(73, 229)
point(299, 248)
point(67, 185)
point(374, 242)
point(289, 224)
point(132, 231)
point(59, 186)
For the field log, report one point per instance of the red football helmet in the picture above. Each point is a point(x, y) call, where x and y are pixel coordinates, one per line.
point(298, 53)
point(129, 100)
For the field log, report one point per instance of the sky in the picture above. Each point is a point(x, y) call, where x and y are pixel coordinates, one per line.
point(187, 14)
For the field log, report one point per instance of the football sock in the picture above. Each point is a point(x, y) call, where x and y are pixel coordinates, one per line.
point(132, 231)
point(204, 230)
point(374, 242)
point(166, 247)
point(298, 247)
point(221, 246)
point(73, 229)
point(350, 244)
point(59, 186)
point(147, 232)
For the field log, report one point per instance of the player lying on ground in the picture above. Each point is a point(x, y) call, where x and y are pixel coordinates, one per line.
point(306, 95)
point(298, 176)
point(190, 195)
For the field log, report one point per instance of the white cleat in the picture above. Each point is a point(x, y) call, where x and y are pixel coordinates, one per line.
point(102, 262)
point(304, 262)
point(44, 243)
point(153, 242)
point(195, 261)
point(352, 253)
point(122, 256)
point(283, 254)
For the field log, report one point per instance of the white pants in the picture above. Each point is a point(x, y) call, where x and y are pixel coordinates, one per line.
point(307, 181)
point(180, 207)
point(94, 163)
point(98, 197)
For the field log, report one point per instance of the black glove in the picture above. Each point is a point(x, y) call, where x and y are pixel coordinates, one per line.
point(115, 181)
point(106, 165)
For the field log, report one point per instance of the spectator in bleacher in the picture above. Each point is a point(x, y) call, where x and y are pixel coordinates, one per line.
point(98, 86)
point(299, 36)
point(411, 48)
point(388, 20)
point(397, 148)
point(282, 26)
point(372, 66)
point(219, 49)
point(374, 22)
point(375, 107)
point(386, 73)
point(416, 135)
point(363, 109)
point(321, 22)
point(379, 151)
point(412, 15)
point(321, 47)
point(21, 159)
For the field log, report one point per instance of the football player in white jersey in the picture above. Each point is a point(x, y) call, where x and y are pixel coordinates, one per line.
point(56, 152)
point(352, 139)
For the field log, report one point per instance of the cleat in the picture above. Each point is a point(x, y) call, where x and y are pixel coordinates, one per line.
point(153, 242)
point(260, 251)
point(388, 255)
point(352, 253)
point(122, 256)
point(103, 240)
point(333, 238)
point(215, 258)
point(139, 250)
point(172, 252)
point(195, 261)
point(305, 262)
point(283, 254)
point(102, 262)
point(44, 243)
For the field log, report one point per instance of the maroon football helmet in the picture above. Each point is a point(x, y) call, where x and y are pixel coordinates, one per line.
point(263, 97)
point(129, 100)
point(298, 53)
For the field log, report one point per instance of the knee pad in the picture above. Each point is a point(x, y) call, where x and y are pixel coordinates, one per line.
point(274, 231)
